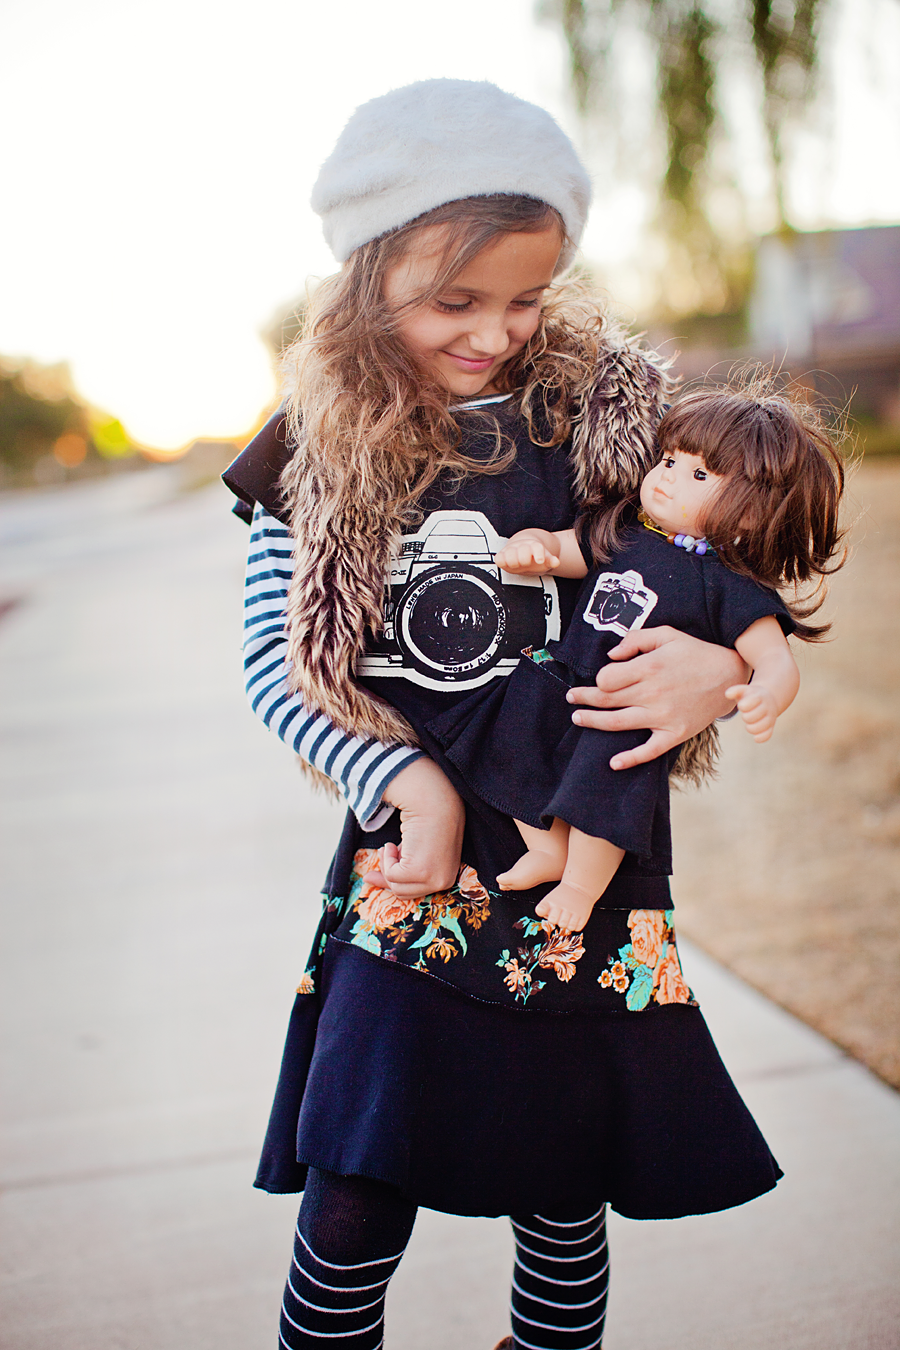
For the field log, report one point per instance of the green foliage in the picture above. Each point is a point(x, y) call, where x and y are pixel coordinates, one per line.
point(48, 434)
point(110, 437)
point(688, 37)
point(784, 39)
point(34, 414)
point(583, 60)
point(686, 90)
point(787, 52)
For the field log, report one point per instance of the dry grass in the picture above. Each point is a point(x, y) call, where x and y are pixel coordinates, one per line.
point(787, 868)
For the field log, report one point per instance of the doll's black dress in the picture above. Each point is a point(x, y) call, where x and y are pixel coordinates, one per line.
point(516, 745)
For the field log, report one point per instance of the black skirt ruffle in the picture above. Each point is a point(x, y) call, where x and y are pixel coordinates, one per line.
point(472, 1108)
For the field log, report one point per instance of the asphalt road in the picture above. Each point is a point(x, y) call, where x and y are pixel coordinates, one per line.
point(160, 863)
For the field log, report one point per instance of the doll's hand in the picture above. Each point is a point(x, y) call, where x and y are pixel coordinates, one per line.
point(432, 820)
point(663, 680)
point(529, 558)
point(758, 708)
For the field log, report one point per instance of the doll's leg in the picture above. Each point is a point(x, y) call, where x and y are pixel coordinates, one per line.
point(544, 861)
point(590, 867)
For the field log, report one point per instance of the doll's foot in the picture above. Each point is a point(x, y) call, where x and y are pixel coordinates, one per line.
point(566, 907)
point(532, 869)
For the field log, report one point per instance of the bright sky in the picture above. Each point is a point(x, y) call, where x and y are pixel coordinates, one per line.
point(158, 160)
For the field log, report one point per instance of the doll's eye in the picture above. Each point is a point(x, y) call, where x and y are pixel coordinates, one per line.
point(700, 475)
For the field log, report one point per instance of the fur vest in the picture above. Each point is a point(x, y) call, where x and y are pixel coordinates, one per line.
point(337, 593)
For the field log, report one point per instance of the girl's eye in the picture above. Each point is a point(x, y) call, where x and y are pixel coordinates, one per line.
point(700, 475)
point(447, 308)
point(527, 304)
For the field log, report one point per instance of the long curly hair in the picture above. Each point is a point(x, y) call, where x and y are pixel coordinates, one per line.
point(367, 418)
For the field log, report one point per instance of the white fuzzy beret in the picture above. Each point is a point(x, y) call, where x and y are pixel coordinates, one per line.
point(436, 141)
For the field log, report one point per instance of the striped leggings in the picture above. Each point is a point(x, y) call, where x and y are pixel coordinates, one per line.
point(352, 1232)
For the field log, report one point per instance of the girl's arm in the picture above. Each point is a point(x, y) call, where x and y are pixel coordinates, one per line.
point(373, 778)
point(534, 552)
point(776, 678)
point(361, 769)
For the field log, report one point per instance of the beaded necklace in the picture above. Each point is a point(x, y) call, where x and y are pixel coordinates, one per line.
point(685, 541)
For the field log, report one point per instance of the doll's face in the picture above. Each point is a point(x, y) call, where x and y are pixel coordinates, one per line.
point(486, 314)
point(677, 491)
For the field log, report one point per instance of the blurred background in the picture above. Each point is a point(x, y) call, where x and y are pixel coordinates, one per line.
point(156, 246)
point(156, 235)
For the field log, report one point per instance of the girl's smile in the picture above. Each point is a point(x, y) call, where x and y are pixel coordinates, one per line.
point(677, 491)
point(471, 364)
point(485, 316)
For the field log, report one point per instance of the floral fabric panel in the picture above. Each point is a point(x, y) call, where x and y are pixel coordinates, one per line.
point(555, 953)
point(433, 927)
point(648, 967)
point(479, 941)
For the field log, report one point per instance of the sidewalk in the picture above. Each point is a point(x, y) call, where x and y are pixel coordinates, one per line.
point(160, 860)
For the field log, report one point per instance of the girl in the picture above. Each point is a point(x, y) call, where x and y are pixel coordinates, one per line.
point(746, 466)
point(445, 1048)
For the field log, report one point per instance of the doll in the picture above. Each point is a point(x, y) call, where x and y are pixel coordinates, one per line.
point(743, 501)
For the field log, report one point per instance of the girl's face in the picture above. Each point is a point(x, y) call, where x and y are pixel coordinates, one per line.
point(486, 314)
point(678, 490)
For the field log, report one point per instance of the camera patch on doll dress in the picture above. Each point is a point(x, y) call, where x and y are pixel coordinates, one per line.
point(619, 602)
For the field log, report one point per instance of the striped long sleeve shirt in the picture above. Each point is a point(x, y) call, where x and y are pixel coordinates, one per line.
point(360, 768)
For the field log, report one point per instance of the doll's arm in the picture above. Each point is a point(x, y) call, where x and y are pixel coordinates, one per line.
point(776, 678)
point(534, 552)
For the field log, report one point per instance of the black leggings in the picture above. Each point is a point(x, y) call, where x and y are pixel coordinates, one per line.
point(351, 1233)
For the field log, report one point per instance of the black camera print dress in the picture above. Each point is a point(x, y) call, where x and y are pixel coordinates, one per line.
point(456, 1046)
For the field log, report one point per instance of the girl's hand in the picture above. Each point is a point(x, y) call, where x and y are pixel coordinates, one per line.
point(758, 707)
point(663, 680)
point(529, 557)
point(432, 820)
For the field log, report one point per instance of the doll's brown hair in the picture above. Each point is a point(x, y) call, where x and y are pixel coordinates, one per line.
point(777, 517)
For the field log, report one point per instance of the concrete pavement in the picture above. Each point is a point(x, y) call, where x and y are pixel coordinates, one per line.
point(160, 861)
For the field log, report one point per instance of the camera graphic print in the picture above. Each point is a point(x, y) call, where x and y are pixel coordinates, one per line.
point(451, 616)
point(619, 602)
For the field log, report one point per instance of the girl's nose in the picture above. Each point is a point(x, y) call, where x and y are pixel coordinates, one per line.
point(488, 335)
